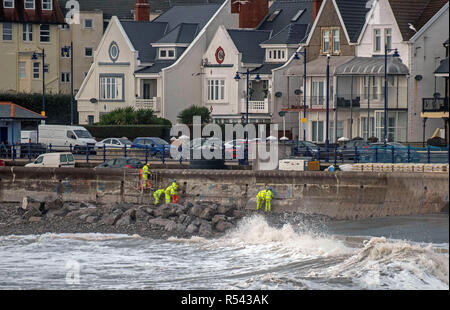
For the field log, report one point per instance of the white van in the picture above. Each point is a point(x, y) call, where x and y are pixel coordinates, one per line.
point(54, 160)
point(62, 136)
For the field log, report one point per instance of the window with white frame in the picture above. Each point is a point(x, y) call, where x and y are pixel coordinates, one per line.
point(367, 132)
point(45, 33)
point(7, 31)
point(22, 70)
point(276, 55)
point(88, 23)
point(8, 4)
point(375, 87)
point(27, 32)
point(216, 90)
point(318, 93)
point(377, 40)
point(47, 5)
point(88, 52)
point(388, 37)
point(30, 4)
point(111, 88)
point(396, 125)
point(331, 43)
point(336, 41)
point(166, 53)
point(65, 77)
point(36, 70)
point(317, 132)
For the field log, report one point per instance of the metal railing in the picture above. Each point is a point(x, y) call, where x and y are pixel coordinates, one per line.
point(434, 105)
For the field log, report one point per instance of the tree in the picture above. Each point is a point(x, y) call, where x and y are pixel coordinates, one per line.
point(130, 116)
point(187, 115)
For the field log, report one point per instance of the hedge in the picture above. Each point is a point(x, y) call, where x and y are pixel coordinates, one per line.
point(129, 131)
point(57, 106)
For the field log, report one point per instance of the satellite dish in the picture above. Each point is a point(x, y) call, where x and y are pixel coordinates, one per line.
point(418, 77)
point(278, 94)
point(93, 100)
point(298, 92)
point(281, 113)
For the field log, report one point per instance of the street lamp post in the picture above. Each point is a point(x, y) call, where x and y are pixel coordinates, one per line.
point(328, 103)
point(304, 89)
point(35, 57)
point(386, 51)
point(237, 78)
point(69, 49)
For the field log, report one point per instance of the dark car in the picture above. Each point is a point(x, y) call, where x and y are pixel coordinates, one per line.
point(347, 151)
point(310, 149)
point(390, 152)
point(155, 146)
point(122, 162)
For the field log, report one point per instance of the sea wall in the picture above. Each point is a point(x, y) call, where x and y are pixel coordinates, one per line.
point(340, 195)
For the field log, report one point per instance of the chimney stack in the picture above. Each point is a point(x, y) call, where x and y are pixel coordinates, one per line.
point(142, 11)
point(315, 8)
point(252, 12)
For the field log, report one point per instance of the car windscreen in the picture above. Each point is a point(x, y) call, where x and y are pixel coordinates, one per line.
point(83, 134)
point(70, 157)
point(124, 141)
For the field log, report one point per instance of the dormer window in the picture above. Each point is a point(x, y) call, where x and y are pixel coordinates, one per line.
point(47, 5)
point(166, 53)
point(8, 4)
point(274, 15)
point(30, 4)
point(276, 55)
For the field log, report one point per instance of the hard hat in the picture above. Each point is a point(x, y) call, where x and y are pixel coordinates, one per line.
point(174, 180)
point(269, 189)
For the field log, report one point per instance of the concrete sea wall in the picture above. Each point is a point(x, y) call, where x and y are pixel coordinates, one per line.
point(340, 195)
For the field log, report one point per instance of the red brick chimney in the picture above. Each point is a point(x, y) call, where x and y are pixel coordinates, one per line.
point(315, 8)
point(252, 12)
point(142, 11)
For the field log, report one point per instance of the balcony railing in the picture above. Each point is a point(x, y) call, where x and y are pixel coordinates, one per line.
point(153, 103)
point(434, 105)
point(256, 106)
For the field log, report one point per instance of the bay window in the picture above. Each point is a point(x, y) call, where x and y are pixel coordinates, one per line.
point(111, 87)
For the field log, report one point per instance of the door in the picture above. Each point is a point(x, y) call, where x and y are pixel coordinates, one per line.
point(3, 135)
point(146, 94)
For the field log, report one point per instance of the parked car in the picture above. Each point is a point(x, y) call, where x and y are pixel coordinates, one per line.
point(156, 146)
point(61, 137)
point(114, 143)
point(122, 162)
point(347, 151)
point(388, 153)
point(54, 160)
point(310, 149)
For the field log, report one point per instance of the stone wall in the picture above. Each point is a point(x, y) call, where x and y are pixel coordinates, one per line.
point(340, 195)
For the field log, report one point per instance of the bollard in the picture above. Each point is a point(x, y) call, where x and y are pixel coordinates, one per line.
point(393, 154)
point(87, 153)
point(409, 154)
point(104, 153)
point(376, 153)
point(50, 148)
point(146, 154)
point(428, 154)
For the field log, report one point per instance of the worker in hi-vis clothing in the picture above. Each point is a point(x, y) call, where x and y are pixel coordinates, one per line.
point(172, 192)
point(144, 176)
point(264, 196)
point(158, 194)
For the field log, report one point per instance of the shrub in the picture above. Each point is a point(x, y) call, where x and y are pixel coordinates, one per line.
point(186, 116)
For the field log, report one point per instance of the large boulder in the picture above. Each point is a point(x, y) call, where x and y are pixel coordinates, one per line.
point(196, 210)
point(217, 218)
point(192, 229)
point(222, 226)
point(159, 222)
point(205, 230)
point(174, 227)
point(165, 211)
point(111, 219)
point(226, 209)
point(54, 204)
point(208, 213)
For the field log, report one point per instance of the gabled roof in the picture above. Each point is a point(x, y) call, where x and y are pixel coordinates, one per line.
point(142, 34)
point(353, 13)
point(287, 11)
point(291, 34)
point(183, 33)
point(156, 68)
point(194, 14)
point(9, 110)
point(443, 68)
point(247, 42)
point(415, 12)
